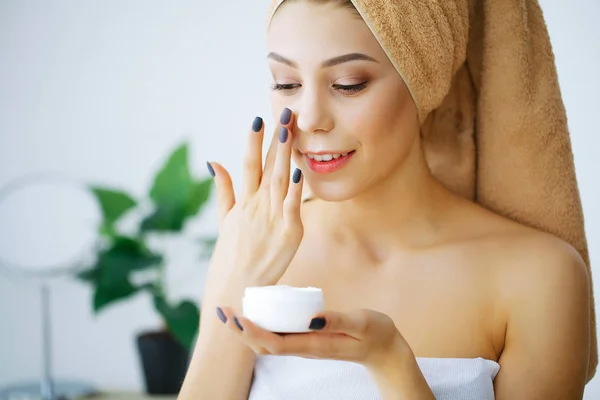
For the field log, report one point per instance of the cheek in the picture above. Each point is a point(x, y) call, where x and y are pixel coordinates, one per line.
point(383, 125)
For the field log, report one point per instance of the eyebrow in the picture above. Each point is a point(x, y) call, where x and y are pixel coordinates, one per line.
point(327, 63)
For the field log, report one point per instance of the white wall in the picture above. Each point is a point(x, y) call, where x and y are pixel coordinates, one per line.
point(82, 83)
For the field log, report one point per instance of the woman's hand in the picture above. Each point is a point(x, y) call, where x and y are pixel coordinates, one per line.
point(366, 337)
point(259, 233)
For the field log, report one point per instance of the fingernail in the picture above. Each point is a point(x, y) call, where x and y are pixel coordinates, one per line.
point(221, 316)
point(286, 114)
point(317, 323)
point(257, 124)
point(297, 175)
point(210, 169)
point(283, 134)
point(238, 323)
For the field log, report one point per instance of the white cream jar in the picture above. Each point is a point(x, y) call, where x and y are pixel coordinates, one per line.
point(282, 308)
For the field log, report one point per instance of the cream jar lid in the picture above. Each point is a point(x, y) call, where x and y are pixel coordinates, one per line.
point(283, 293)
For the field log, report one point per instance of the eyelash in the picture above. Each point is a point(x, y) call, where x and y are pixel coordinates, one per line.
point(348, 88)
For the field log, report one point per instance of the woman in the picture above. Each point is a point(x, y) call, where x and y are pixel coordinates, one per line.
point(431, 295)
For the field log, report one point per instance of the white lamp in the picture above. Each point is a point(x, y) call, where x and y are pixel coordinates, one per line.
point(48, 229)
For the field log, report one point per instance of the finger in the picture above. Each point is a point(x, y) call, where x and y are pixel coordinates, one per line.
point(293, 201)
point(285, 120)
point(280, 179)
point(265, 179)
point(310, 345)
point(253, 158)
point(321, 345)
point(224, 188)
point(353, 324)
point(271, 342)
point(373, 335)
point(232, 322)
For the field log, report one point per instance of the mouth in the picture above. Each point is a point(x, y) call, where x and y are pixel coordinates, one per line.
point(325, 162)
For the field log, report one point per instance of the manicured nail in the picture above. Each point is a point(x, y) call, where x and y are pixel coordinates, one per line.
point(286, 114)
point(297, 175)
point(317, 323)
point(283, 134)
point(257, 124)
point(210, 169)
point(238, 323)
point(221, 315)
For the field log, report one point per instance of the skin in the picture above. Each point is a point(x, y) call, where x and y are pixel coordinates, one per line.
point(392, 249)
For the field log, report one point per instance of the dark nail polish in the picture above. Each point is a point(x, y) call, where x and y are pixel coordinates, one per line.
point(257, 124)
point(317, 323)
point(297, 175)
point(238, 323)
point(221, 316)
point(286, 114)
point(210, 169)
point(283, 134)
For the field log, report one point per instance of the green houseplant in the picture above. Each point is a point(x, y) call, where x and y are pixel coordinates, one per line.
point(175, 197)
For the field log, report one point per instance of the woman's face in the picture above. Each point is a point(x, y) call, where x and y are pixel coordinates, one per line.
point(349, 101)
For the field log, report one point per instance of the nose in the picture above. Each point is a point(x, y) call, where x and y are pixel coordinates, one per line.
point(314, 114)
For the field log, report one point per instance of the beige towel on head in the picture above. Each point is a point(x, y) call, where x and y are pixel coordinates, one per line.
point(494, 127)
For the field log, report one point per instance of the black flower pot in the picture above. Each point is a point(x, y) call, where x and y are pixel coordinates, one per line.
point(164, 362)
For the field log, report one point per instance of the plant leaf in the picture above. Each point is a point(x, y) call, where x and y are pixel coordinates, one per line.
point(166, 218)
point(176, 196)
point(112, 271)
point(91, 275)
point(109, 292)
point(173, 183)
point(183, 320)
point(199, 195)
point(113, 203)
point(125, 256)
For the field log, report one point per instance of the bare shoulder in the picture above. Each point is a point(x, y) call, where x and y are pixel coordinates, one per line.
point(535, 261)
point(543, 289)
point(527, 260)
point(538, 272)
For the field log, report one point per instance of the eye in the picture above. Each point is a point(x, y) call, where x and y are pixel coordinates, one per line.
point(351, 89)
point(348, 89)
point(285, 87)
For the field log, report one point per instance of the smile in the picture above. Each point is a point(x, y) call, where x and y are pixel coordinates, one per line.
point(326, 157)
point(327, 162)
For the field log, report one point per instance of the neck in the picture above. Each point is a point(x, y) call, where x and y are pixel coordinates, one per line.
point(406, 207)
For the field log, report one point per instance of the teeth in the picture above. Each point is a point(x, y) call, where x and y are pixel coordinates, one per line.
point(325, 157)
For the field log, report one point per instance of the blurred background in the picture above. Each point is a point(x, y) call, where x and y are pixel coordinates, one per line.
point(124, 95)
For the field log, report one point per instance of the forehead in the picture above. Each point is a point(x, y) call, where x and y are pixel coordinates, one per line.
point(307, 32)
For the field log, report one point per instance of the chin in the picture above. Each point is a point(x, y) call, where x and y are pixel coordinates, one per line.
point(332, 191)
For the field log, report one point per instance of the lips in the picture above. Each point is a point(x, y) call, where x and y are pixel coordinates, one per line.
point(325, 163)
